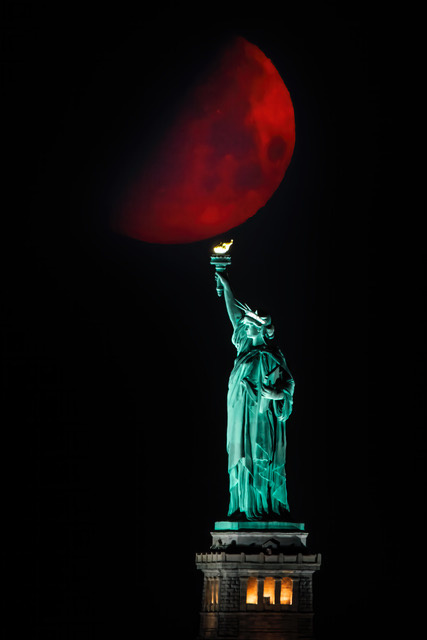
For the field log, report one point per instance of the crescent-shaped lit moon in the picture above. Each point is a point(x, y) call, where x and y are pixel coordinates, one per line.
point(221, 160)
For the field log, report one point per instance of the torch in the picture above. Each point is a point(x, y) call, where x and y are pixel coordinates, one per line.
point(220, 260)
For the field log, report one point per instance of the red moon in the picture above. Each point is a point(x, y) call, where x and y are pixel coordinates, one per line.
point(222, 159)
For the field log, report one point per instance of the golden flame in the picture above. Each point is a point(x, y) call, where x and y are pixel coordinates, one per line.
point(223, 247)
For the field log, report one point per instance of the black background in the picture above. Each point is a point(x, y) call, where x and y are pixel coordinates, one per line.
point(117, 353)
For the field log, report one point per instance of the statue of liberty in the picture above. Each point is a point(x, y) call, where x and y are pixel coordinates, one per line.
point(260, 396)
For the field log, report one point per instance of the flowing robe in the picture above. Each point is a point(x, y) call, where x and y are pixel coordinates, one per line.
point(256, 429)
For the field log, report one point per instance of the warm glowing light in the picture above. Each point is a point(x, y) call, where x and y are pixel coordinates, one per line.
point(286, 591)
point(252, 591)
point(212, 591)
point(269, 589)
point(223, 247)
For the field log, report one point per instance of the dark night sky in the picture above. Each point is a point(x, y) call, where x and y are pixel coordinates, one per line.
point(117, 353)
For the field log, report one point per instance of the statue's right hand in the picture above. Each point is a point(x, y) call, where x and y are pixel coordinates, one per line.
point(222, 278)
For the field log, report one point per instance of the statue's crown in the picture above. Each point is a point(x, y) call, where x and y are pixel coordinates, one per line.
point(265, 320)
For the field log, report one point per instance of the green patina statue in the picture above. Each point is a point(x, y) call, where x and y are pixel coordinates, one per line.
point(260, 396)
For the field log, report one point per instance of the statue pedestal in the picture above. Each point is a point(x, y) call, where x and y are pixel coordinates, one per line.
point(257, 582)
point(258, 534)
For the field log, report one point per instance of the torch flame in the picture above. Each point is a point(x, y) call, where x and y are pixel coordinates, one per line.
point(223, 247)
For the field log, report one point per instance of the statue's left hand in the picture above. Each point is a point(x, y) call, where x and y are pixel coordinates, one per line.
point(271, 393)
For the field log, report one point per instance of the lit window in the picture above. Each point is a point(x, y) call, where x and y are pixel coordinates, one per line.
point(215, 591)
point(212, 591)
point(269, 587)
point(286, 591)
point(252, 591)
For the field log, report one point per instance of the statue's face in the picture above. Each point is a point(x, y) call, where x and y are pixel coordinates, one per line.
point(251, 329)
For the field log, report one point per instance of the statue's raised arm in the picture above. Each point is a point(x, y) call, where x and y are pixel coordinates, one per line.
point(234, 311)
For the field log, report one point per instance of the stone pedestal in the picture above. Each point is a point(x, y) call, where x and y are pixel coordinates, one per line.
point(257, 582)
